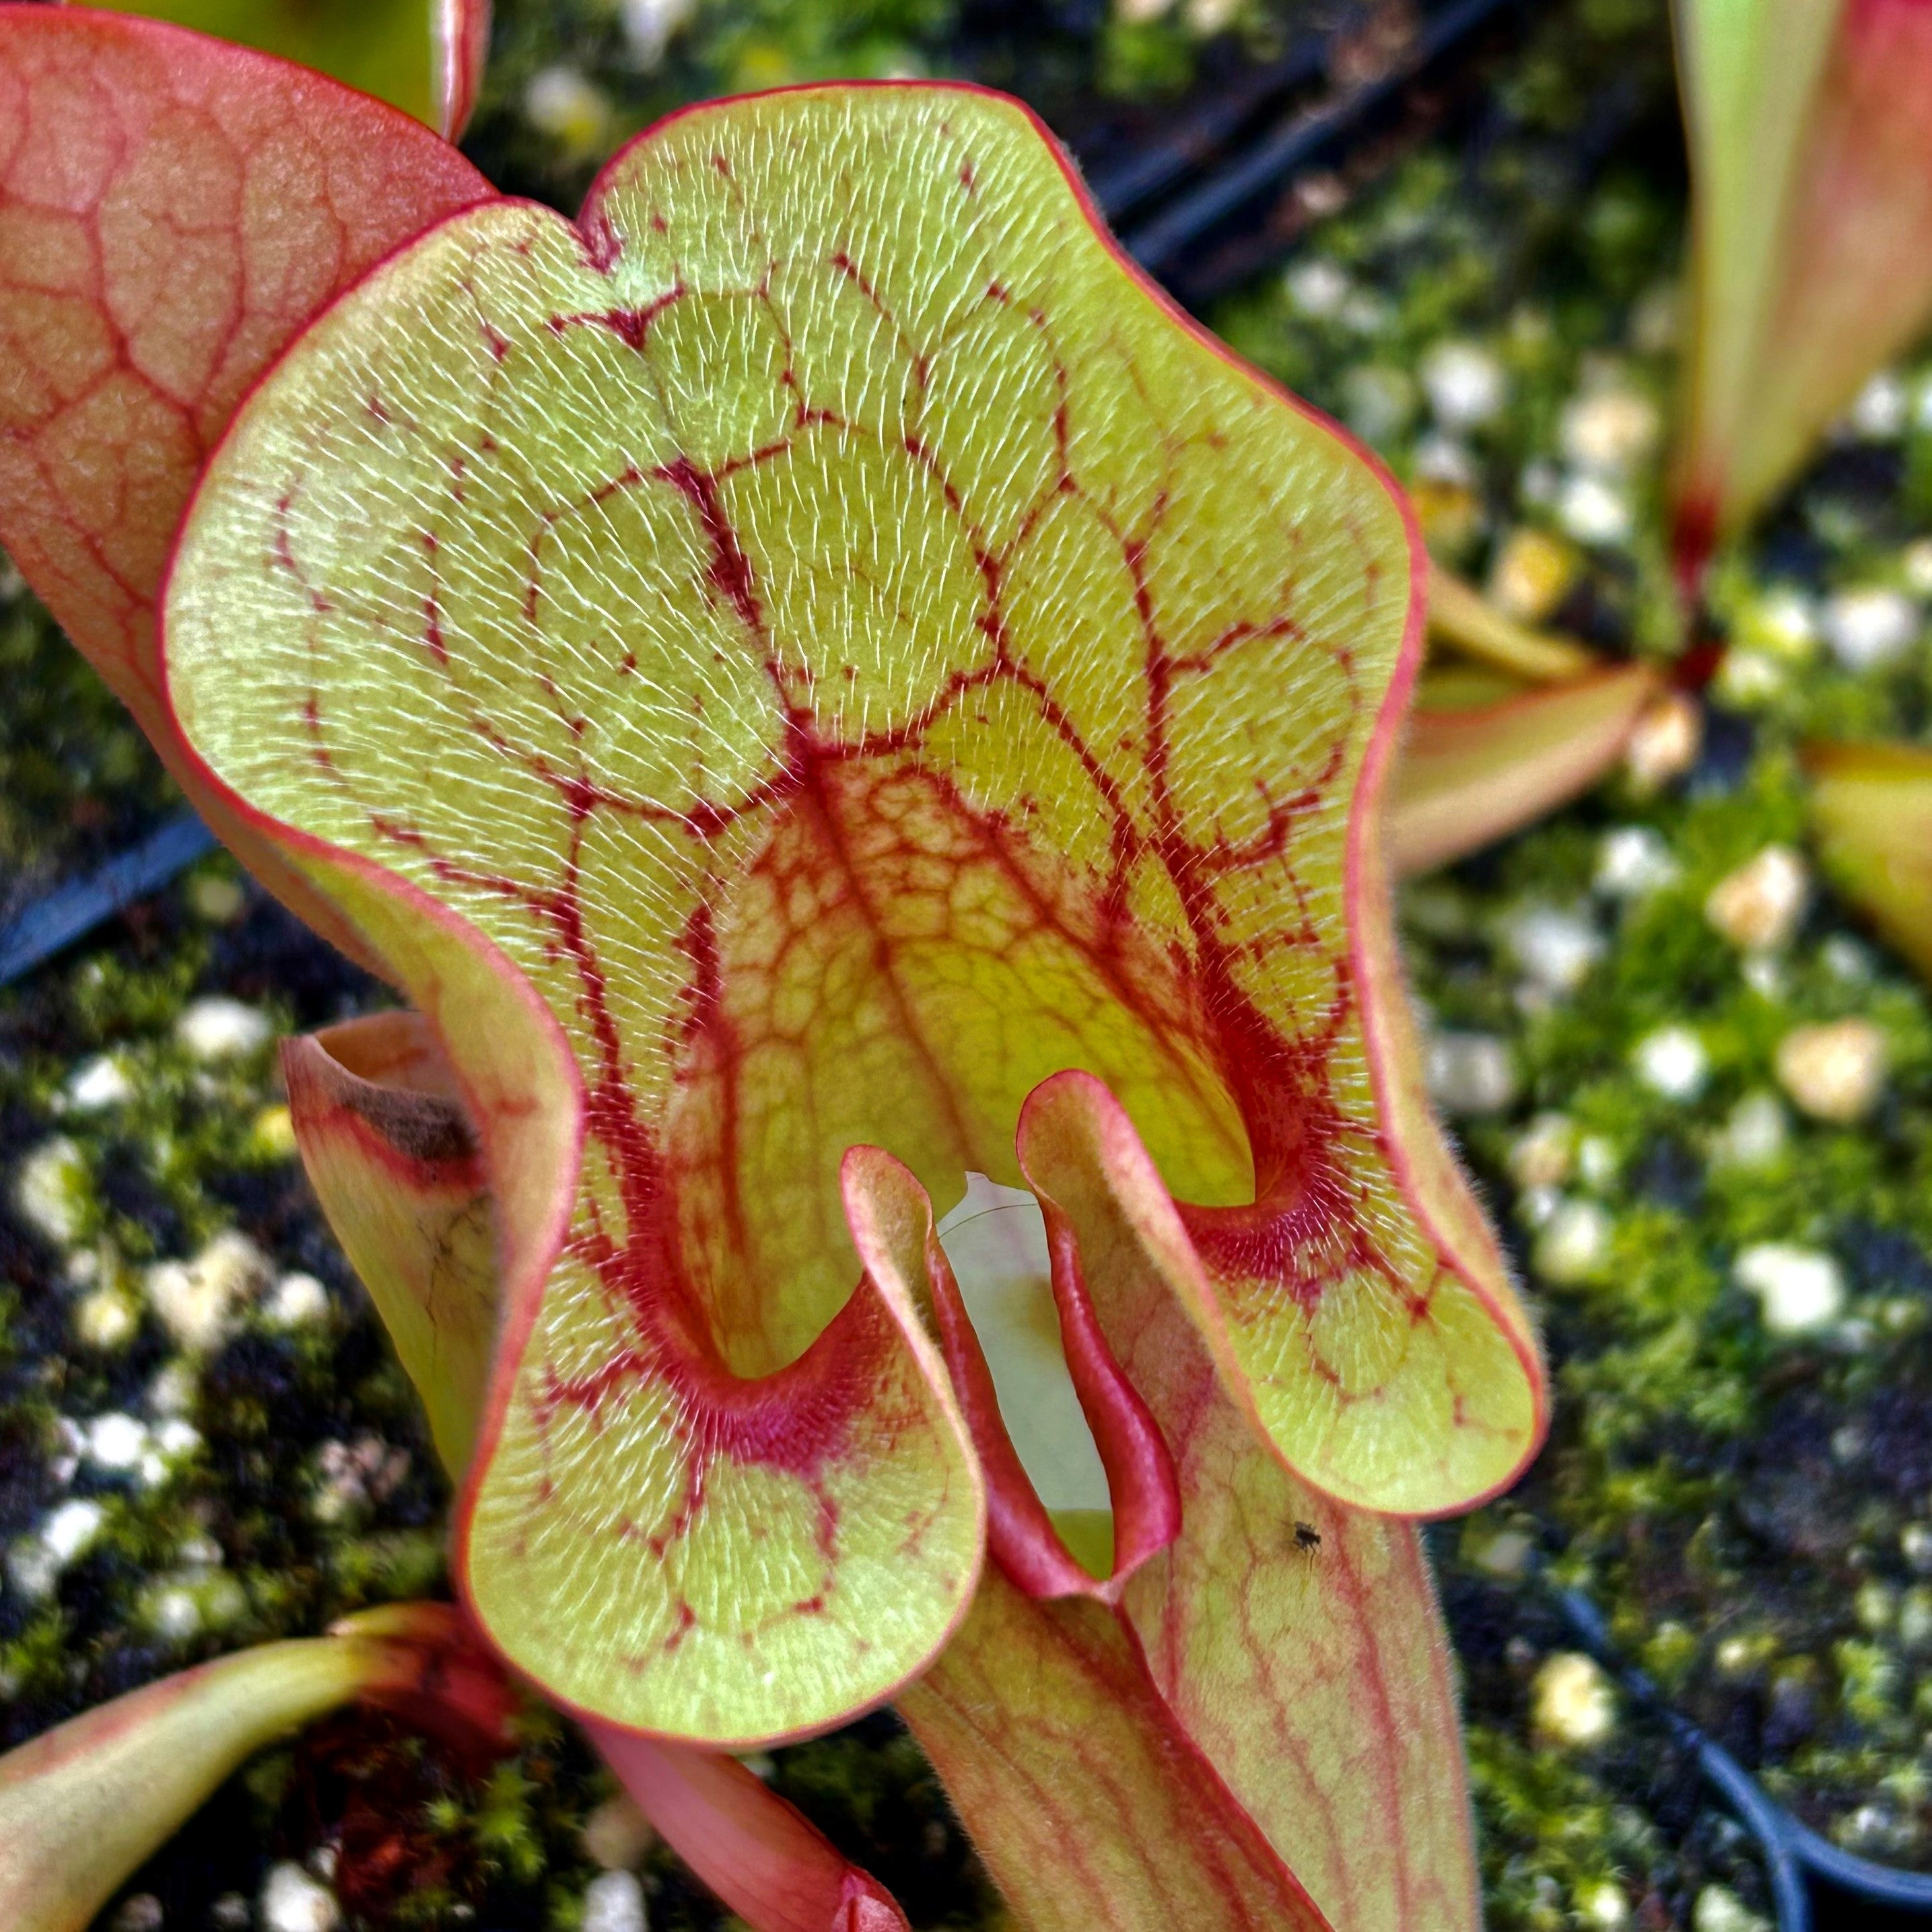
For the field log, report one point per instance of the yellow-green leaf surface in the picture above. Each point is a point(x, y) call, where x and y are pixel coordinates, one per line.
point(1087, 1800)
point(826, 633)
point(1871, 814)
point(1297, 1642)
point(1463, 618)
point(394, 1164)
point(424, 56)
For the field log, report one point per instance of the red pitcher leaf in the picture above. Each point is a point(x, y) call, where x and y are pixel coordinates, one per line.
point(1080, 1487)
point(773, 1867)
point(1856, 287)
point(1748, 72)
point(172, 211)
point(460, 45)
point(83, 1805)
point(1811, 155)
point(424, 56)
point(1871, 815)
point(851, 651)
point(1089, 1803)
point(454, 1687)
point(1467, 777)
point(394, 1162)
point(1297, 1642)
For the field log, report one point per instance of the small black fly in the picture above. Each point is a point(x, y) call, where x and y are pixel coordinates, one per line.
point(1307, 1536)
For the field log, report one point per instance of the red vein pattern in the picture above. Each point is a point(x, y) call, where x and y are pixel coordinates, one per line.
point(1314, 1673)
point(1087, 1801)
point(173, 210)
point(830, 634)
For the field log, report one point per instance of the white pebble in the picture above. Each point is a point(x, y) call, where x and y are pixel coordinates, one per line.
point(1632, 862)
point(351, 1476)
point(1845, 958)
point(1556, 948)
point(1593, 512)
point(292, 1901)
point(72, 1528)
point(1800, 1290)
point(1537, 486)
point(36, 1562)
point(1441, 459)
point(1542, 1152)
point(1470, 1073)
point(1574, 1244)
point(1573, 1701)
point(1465, 383)
point(1747, 678)
point(616, 1834)
point(562, 102)
point(173, 1613)
point(1535, 1205)
point(98, 1084)
point(217, 898)
point(116, 1442)
point(1506, 1554)
point(1784, 621)
point(1836, 1072)
point(1607, 433)
point(1719, 1909)
point(64, 1463)
point(614, 1903)
point(1672, 1062)
point(1879, 410)
point(1754, 1134)
point(107, 1320)
point(1760, 905)
point(220, 1028)
point(200, 1301)
point(1602, 1905)
point(1318, 287)
point(173, 1390)
point(50, 1189)
point(1665, 741)
point(1596, 1161)
point(299, 1301)
point(1378, 402)
point(649, 26)
point(1870, 628)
